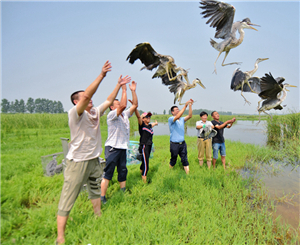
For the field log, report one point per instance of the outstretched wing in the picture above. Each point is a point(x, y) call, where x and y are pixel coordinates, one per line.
point(146, 54)
point(221, 16)
point(237, 78)
point(269, 87)
point(254, 83)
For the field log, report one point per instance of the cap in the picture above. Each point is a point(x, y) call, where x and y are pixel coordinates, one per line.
point(146, 114)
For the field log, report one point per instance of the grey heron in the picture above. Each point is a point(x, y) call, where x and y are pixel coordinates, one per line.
point(221, 16)
point(208, 133)
point(178, 86)
point(167, 69)
point(271, 90)
point(151, 59)
point(240, 80)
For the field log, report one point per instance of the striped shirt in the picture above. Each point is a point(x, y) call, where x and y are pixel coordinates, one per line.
point(118, 129)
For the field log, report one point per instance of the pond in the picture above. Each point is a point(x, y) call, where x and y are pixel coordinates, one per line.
point(282, 184)
point(244, 131)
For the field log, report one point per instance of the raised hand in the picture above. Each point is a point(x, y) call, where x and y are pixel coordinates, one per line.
point(106, 68)
point(132, 86)
point(124, 80)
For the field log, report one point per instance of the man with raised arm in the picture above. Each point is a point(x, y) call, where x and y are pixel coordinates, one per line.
point(218, 142)
point(82, 164)
point(118, 139)
point(177, 143)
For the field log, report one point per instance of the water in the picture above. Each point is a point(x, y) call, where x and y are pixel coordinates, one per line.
point(243, 131)
point(282, 181)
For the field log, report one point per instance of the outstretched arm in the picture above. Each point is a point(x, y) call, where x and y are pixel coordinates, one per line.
point(91, 89)
point(134, 105)
point(138, 116)
point(123, 102)
point(110, 99)
point(189, 116)
point(225, 124)
point(154, 124)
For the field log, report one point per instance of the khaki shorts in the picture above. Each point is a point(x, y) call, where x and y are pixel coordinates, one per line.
point(76, 174)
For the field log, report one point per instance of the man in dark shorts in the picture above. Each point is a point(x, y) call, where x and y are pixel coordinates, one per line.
point(218, 142)
point(117, 140)
point(177, 143)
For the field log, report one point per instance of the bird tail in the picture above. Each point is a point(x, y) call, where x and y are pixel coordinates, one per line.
point(213, 43)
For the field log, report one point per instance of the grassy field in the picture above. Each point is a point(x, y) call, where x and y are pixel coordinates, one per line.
point(205, 207)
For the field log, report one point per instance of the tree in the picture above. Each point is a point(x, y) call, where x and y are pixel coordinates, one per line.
point(5, 106)
point(164, 112)
point(60, 108)
point(30, 106)
point(22, 108)
point(17, 106)
point(38, 105)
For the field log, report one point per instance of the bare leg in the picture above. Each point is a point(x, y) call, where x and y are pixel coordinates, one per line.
point(61, 226)
point(144, 178)
point(223, 161)
point(104, 185)
point(208, 164)
point(187, 169)
point(122, 184)
point(96, 206)
point(214, 162)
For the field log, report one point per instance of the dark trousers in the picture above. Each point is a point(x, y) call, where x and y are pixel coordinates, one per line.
point(146, 150)
point(178, 149)
point(115, 158)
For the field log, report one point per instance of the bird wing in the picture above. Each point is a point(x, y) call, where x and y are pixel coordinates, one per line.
point(237, 78)
point(254, 83)
point(221, 16)
point(269, 87)
point(146, 54)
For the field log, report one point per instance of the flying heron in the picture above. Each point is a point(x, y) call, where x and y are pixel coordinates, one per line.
point(179, 86)
point(167, 69)
point(240, 80)
point(151, 59)
point(221, 16)
point(271, 90)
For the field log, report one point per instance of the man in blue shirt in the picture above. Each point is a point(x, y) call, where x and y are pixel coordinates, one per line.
point(177, 143)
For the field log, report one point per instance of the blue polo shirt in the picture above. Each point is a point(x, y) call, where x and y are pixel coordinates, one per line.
point(176, 129)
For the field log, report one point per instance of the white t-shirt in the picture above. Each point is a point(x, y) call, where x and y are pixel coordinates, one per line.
point(118, 129)
point(207, 124)
point(85, 141)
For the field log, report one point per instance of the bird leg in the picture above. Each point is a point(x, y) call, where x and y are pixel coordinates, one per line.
point(215, 70)
point(246, 101)
point(259, 103)
point(233, 63)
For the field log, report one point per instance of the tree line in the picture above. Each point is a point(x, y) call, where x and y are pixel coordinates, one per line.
point(31, 106)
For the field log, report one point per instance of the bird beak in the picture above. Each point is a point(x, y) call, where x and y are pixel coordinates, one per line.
point(252, 28)
point(264, 59)
point(291, 86)
point(200, 83)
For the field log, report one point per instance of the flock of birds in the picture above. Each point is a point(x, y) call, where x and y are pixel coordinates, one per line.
point(271, 91)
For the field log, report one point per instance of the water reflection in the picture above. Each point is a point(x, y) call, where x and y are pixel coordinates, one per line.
point(282, 182)
point(244, 131)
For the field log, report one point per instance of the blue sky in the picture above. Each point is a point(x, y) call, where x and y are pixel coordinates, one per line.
point(51, 49)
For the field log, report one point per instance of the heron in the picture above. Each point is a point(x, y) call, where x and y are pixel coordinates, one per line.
point(240, 80)
point(208, 133)
point(221, 16)
point(179, 86)
point(271, 90)
point(165, 64)
point(167, 70)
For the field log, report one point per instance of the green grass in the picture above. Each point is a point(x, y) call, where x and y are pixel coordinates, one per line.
point(205, 207)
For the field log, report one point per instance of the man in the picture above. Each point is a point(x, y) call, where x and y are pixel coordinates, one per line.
point(218, 142)
point(82, 164)
point(118, 139)
point(177, 143)
point(203, 145)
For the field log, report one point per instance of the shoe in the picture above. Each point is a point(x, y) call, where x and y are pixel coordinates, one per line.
point(103, 199)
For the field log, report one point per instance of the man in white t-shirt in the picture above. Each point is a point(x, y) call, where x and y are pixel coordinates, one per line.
point(118, 139)
point(82, 164)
